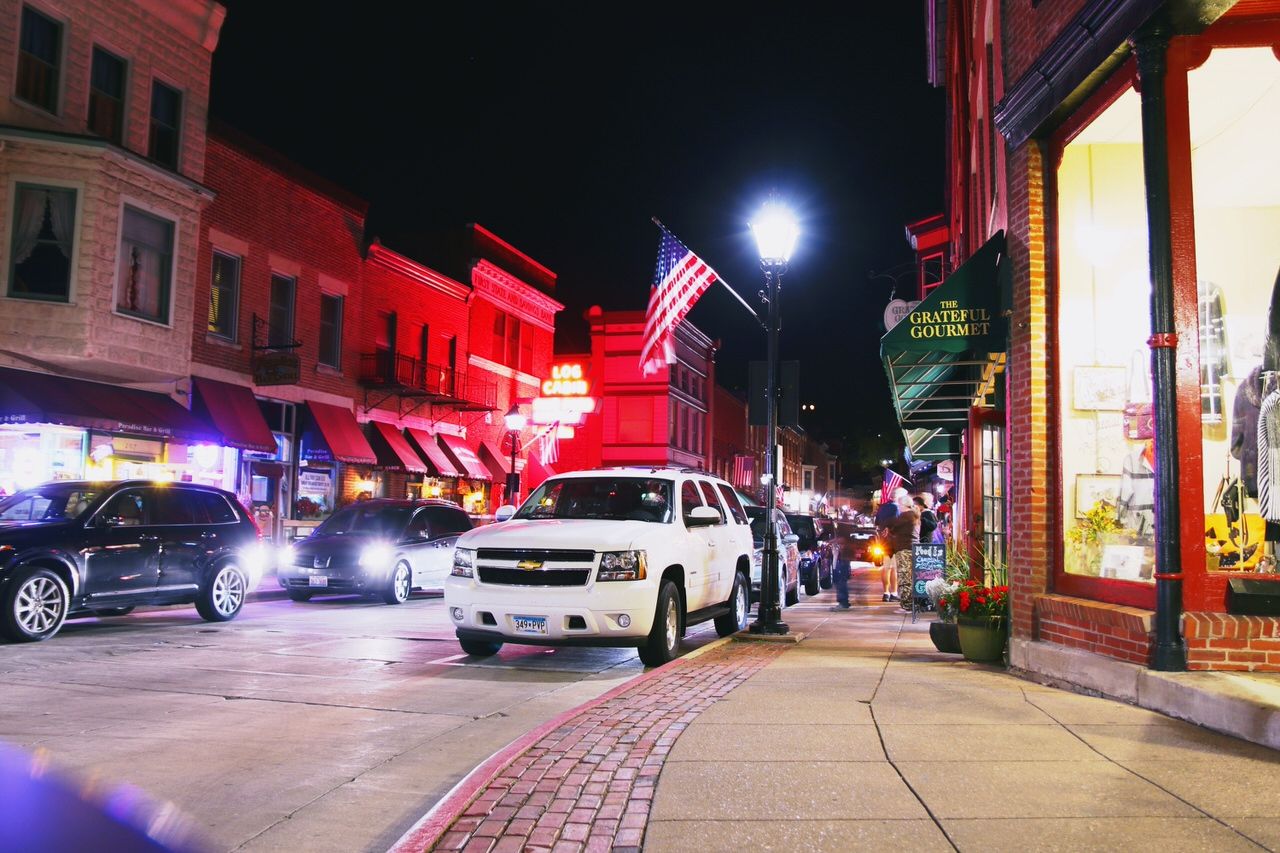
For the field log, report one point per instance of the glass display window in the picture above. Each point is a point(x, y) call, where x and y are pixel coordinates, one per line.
point(34, 454)
point(1104, 386)
point(315, 494)
point(1233, 102)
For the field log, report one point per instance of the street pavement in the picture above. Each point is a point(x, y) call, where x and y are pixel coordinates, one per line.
point(863, 737)
point(325, 726)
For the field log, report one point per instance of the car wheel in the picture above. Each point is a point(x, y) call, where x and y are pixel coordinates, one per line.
point(825, 583)
point(664, 637)
point(793, 594)
point(223, 595)
point(112, 611)
point(736, 619)
point(480, 648)
point(300, 594)
point(35, 606)
point(397, 591)
point(811, 584)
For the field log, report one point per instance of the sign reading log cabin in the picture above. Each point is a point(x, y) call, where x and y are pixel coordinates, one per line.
point(566, 397)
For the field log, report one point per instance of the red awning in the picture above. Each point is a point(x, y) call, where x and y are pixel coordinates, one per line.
point(426, 443)
point(27, 397)
point(498, 463)
point(463, 457)
point(334, 434)
point(234, 411)
point(395, 452)
point(535, 473)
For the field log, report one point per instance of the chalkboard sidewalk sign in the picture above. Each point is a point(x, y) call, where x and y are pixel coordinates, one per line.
point(927, 563)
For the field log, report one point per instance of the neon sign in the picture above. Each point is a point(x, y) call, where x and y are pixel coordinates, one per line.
point(566, 381)
point(565, 396)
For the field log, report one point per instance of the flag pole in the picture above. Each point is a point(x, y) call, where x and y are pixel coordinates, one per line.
point(735, 293)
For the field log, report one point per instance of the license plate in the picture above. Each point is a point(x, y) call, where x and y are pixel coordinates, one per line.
point(318, 580)
point(529, 624)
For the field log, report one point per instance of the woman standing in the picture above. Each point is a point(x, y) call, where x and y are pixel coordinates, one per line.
point(904, 532)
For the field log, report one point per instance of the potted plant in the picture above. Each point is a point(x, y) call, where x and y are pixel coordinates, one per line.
point(945, 633)
point(982, 615)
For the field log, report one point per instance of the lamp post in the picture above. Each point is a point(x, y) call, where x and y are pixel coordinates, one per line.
point(775, 230)
point(515, 423)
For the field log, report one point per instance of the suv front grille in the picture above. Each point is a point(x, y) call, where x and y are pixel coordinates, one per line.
point(536, 577)
point(544, 555)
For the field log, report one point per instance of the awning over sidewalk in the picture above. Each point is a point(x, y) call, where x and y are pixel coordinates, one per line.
point(333, 434)
point(27, 397)
point(393, 450)
point(426, 443)
point(463, 457)
point(945, 354)
point(234, 411)
point(498, 463)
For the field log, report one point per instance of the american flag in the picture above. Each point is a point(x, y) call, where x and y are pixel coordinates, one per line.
point(550, 445)
point(680, 278)
point(744, 471)
point(891, 482)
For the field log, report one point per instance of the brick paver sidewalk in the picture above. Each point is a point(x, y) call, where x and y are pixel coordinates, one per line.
point(589, 784)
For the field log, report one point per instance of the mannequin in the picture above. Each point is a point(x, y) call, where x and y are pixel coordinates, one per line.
point(1136, 506)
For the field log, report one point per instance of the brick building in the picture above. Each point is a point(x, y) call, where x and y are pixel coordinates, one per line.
point(1114, 156)
point(102, 138)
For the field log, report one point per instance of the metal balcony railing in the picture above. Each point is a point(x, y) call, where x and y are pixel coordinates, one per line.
point(410, 377)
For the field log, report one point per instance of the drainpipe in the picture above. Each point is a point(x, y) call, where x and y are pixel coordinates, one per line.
point(1151, 45)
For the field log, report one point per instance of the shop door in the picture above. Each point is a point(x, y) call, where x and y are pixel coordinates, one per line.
point(987, 513)
point(122, 550)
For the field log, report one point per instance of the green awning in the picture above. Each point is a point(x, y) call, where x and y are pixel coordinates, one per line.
point(943, 355)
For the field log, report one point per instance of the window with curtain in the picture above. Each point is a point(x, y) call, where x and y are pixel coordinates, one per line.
point(166, 118)
point(224, 296)
point(106, 95)
point(40, 251)
point(280, 311)
point(39, 60)
point(331, 331)
point(146, 266)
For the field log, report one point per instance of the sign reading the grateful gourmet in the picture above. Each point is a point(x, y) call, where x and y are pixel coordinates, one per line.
point(950, 320)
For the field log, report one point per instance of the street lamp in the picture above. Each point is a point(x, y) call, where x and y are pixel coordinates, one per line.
point(515, 423)
point(775, 230)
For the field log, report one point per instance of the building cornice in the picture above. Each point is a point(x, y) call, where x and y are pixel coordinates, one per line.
point(508, 292)
point(502, 370)
point(198, 20)
point(398, 263)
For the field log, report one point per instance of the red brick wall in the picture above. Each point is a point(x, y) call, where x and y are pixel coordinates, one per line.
point(1124, 633)
point(1029, 29)
point(1218, 641)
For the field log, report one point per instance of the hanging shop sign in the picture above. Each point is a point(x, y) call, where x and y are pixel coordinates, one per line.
point(276, 368)
point(566, 396)
point(947, 470)
point(896, 310)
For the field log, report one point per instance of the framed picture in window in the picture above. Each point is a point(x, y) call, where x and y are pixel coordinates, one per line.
point(1091, 488)
point(1098, 388)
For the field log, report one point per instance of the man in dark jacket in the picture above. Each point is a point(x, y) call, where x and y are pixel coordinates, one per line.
point(885, 515)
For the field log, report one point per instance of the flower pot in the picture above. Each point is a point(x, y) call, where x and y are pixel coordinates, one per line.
point(945, 636)
point(982, 641)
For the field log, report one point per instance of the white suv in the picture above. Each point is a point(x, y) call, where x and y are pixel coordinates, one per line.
point(614, 557)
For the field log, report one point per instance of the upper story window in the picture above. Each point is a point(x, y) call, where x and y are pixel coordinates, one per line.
point(331, 330)
point(39, 60)
point(166, 117)
point(40, 254)
point(512, 342)
point(224, 296)
point(106, 95)
point(146, 266)
point(280, 311)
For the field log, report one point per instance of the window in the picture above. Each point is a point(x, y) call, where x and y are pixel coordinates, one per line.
point(709, 495)
point(43, 224)
point(731, 501)
point(166, 117)
point(513, 342)
point(126, 509)
point(510, 347)
point(808, 481)
point(215, 508)
point(106, 95)
point(224, 296)
point(424, 344)
point(146, 264)
point(689, 499)
point(331, 331)
point(280, 312)
point(444, 521)
point(176, 506)
point(39, 60)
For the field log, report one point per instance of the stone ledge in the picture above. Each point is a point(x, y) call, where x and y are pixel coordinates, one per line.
point(1135, 620)
point(747, 636)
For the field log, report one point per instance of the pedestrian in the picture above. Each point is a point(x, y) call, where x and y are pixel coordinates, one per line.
point(884, 516)
point(942, 533)
point(904, 532)
point(842, 569)
point(928, 518)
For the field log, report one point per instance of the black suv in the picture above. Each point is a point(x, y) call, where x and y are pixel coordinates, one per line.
point(816, 559)
point(71, 548)
point(377, 547)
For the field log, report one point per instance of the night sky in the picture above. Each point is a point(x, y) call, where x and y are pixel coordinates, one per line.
point(564, 127)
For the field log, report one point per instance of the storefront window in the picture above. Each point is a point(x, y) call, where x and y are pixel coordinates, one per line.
point(1234, 103)
point(1108, 481)
point(38, 453)
point(315, 493)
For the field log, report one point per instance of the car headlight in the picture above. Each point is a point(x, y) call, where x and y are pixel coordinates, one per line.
point(463, 562)
point(622, 566)
point(377, 555)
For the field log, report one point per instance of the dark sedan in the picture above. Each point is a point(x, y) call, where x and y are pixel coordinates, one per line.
point(816, 559)
point(383, 548)
point(73, 548)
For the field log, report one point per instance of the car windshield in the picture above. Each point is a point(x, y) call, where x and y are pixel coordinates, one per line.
point(802, 526)
point(365, 520)
point(615, 498)
point(50, 502)
point(756, 514)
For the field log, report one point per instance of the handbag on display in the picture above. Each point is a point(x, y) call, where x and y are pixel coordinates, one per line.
point(1139, 411)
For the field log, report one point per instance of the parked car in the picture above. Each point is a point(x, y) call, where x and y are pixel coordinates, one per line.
point(384, 548)
point(816, 536)
point(616, 557)
point(789, 564)
point(863, 539)
point(78, 548)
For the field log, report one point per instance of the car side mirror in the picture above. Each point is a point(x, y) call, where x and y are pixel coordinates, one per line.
point(790, 539)
point(702, 516)
point(504, 513)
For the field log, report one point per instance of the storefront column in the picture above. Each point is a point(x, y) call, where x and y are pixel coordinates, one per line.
point(1151, 45)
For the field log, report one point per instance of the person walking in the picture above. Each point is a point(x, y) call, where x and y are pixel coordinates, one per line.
point(842, 569)
point(884, 516)
point(904, 532)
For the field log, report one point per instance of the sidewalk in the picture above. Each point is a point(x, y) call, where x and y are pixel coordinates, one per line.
point(863, 737)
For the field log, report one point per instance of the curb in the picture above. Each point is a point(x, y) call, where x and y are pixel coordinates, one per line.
point(429, 828)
